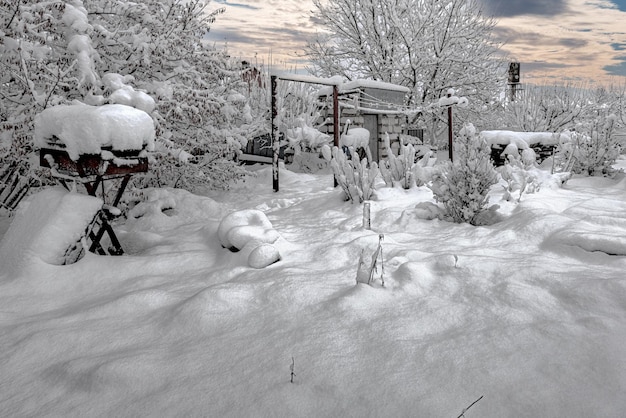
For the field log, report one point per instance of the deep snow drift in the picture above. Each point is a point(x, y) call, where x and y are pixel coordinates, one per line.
point(529, 312)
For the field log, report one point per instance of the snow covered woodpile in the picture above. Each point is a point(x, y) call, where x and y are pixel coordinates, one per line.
point(530, 146)
point(372, 105)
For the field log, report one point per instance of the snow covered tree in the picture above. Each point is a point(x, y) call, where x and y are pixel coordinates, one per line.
point(202, 112)
point(429, 46)
point(55, 52)
point(554, 108)
point(462, 186)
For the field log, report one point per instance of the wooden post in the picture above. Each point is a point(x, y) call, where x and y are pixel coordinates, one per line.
point(450, 151)
point(275, 136)
point(335, 123)
point(336, 115)
point(367, 222)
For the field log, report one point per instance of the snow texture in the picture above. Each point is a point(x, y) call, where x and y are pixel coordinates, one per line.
point(528, 312)
point(85, 129)
point(45, 226)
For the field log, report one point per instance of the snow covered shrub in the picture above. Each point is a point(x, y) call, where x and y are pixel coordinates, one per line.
point(354, 176)
point(403, 169)
point(366, 272)
point(462, 186)
point(594, 152)
point(519, 178)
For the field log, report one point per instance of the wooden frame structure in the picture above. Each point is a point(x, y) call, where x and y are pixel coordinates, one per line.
point(275, 133)
point(93, 171)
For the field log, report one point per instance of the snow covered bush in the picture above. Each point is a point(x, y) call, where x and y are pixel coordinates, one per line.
point(519, 179)
point(403, 169)
point(462, 186)
point(593, 152)
point(354, 176)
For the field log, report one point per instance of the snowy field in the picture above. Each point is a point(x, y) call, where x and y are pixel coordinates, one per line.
point(528, 313)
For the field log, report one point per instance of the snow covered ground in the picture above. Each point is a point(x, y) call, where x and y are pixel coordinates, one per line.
point(529, 313)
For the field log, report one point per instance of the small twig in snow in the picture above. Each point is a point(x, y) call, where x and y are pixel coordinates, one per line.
point(466, 409)
point(292, 367)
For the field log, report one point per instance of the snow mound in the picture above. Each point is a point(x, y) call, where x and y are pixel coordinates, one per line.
point(250, 230)
point(182, 205)
point(85, 129)
point(603, 240)
point(263, 255)
point(240, 227)
point(45, 226)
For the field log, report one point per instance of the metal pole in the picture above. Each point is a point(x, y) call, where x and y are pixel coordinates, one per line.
point(275, 135)
point(450, 131)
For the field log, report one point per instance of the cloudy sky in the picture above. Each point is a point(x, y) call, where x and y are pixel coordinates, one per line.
point(552, 39)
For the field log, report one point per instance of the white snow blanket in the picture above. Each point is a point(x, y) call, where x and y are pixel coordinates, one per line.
point(45, 226)
point(179, 326)
point(85, 129)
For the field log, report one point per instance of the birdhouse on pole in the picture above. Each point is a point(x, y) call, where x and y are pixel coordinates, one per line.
point(514, 72)
point(514, 78)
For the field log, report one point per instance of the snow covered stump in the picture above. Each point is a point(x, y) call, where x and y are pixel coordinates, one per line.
point(89, 145)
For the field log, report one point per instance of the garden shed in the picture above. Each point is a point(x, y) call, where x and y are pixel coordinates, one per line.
point(374, 105)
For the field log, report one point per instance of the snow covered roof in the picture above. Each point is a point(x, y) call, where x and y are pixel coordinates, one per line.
point(85, 129)
point(353, 85)
point(372, 84)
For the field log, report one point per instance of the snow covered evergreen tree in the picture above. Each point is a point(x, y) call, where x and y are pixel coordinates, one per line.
point(462, 186)
point(429, 46)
